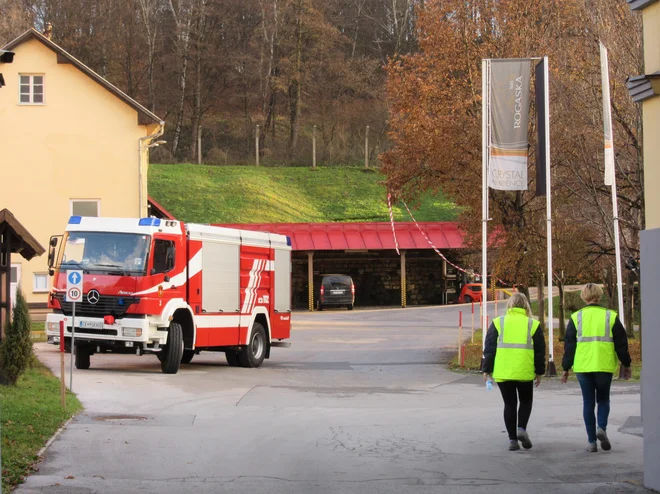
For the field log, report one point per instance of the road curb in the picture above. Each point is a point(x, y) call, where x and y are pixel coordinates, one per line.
point(43, 450)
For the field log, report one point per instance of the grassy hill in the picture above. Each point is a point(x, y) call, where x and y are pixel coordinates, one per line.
point(250, 194)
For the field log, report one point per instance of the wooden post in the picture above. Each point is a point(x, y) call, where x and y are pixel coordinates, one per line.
point(62, 385)
point(314, 147)
point(472, 321)
point(366, 148)
point(403, 278)
point(310, 279)
point(460, 338)
point(256, 146)
point(199, 145)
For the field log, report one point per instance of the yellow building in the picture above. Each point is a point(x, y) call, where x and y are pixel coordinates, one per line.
point(645, 89)
point(72, 144)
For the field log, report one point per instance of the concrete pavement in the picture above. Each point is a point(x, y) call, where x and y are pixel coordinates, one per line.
point(362, 403)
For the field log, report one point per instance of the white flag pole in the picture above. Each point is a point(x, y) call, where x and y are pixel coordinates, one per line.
point(552, 370)
point(485, 144)
point(610, 174)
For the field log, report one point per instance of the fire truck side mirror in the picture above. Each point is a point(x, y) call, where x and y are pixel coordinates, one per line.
point(51, 254)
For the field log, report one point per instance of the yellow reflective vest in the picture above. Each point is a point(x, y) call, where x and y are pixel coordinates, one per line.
point(595, 340)
point(514, 360)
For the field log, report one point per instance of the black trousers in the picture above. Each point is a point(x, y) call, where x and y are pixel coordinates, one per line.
point(513, 416)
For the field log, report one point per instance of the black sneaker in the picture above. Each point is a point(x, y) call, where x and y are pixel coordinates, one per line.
point(523, 437)
point(604, 441)
point(513, 445)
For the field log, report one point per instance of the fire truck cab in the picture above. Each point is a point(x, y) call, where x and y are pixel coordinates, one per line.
point(171, 289)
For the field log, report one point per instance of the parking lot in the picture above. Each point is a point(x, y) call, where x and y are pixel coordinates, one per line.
point(361, 402)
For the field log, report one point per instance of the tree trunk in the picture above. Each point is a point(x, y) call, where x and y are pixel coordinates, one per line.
point(562, 311)
point(608, 283)
point(541, 300)
point(294, 87)
point(629, 305)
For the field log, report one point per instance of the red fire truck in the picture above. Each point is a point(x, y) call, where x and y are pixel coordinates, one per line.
point(171, 289)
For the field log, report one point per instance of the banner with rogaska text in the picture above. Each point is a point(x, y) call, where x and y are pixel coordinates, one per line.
point(509, 114)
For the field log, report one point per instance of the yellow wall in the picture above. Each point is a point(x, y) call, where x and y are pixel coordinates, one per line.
point(81, 144)
point(651, 115)
point(651, 17)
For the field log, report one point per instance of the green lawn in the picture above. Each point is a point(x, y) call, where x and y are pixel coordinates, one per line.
point(250, 194)
point(31, 414)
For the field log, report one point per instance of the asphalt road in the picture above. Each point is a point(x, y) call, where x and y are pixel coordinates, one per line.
point(361, 402)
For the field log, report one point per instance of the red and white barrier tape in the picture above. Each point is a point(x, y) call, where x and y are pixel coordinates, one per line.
point(434, 247)
point(389, 205)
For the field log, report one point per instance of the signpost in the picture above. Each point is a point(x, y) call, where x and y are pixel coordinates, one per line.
point(74, 290)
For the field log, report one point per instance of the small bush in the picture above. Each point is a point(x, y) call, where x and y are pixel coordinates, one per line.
point(16, 347)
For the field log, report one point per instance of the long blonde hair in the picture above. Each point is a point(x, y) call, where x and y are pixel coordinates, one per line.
point(518, 300)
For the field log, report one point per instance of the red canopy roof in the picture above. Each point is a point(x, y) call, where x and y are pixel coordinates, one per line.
point(360, 236)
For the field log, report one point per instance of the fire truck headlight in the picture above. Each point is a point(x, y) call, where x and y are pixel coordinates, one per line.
point(132, 332)
point(53, 326)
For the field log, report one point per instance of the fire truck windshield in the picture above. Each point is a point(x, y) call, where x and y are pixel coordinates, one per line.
point(105, 252)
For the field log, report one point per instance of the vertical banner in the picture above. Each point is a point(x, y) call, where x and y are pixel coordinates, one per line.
point(539, 89)
point(509, 113)
point(607, 117)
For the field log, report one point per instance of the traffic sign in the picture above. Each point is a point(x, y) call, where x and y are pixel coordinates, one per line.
point(74, 288)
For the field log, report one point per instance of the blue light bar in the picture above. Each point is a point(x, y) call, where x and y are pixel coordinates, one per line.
point(75, 220)
point(288, 241)
point(149, 222)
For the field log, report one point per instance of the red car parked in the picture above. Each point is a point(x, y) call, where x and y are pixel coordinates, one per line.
point(470, 293)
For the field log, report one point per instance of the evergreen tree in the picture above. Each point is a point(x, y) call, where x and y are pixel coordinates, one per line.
point(16, 348)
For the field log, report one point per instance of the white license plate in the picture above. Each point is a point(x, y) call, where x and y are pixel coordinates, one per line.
point(91, 325)
point(337, 292)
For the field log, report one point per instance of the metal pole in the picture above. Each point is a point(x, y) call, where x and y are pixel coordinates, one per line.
point(552, 371)
point(314, 147)
point(73, 347)
point(485, 142)
point(366, 148)
point(607, 115)
point(256, 146)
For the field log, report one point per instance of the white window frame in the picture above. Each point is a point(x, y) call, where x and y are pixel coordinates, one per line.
point(34, 283)
point(97, 201)
point(31, 102)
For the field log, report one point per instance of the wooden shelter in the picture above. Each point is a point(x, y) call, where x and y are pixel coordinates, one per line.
point(14, 239)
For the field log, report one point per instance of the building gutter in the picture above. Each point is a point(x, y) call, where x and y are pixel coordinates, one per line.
point(146, 142)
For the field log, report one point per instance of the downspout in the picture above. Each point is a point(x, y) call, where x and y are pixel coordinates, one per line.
point(144, 142)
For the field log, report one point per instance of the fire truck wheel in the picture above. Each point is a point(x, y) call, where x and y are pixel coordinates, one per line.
point(82, 357)
point(253, 354)
point(173, 350)
point(187, 356)
point(232, 358)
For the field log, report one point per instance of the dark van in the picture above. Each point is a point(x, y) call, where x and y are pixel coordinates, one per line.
point(335, 290)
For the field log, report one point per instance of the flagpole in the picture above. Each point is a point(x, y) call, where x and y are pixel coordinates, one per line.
point(485, 142)
point(552, 370)
point(610, 172)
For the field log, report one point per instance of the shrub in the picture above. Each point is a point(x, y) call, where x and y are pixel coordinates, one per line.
point(16, 347)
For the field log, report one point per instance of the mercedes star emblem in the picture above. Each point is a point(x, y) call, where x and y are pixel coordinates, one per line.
point(93, 297)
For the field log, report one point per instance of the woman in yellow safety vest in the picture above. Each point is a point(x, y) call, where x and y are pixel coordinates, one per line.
point(514, 354)
point(595, 343)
